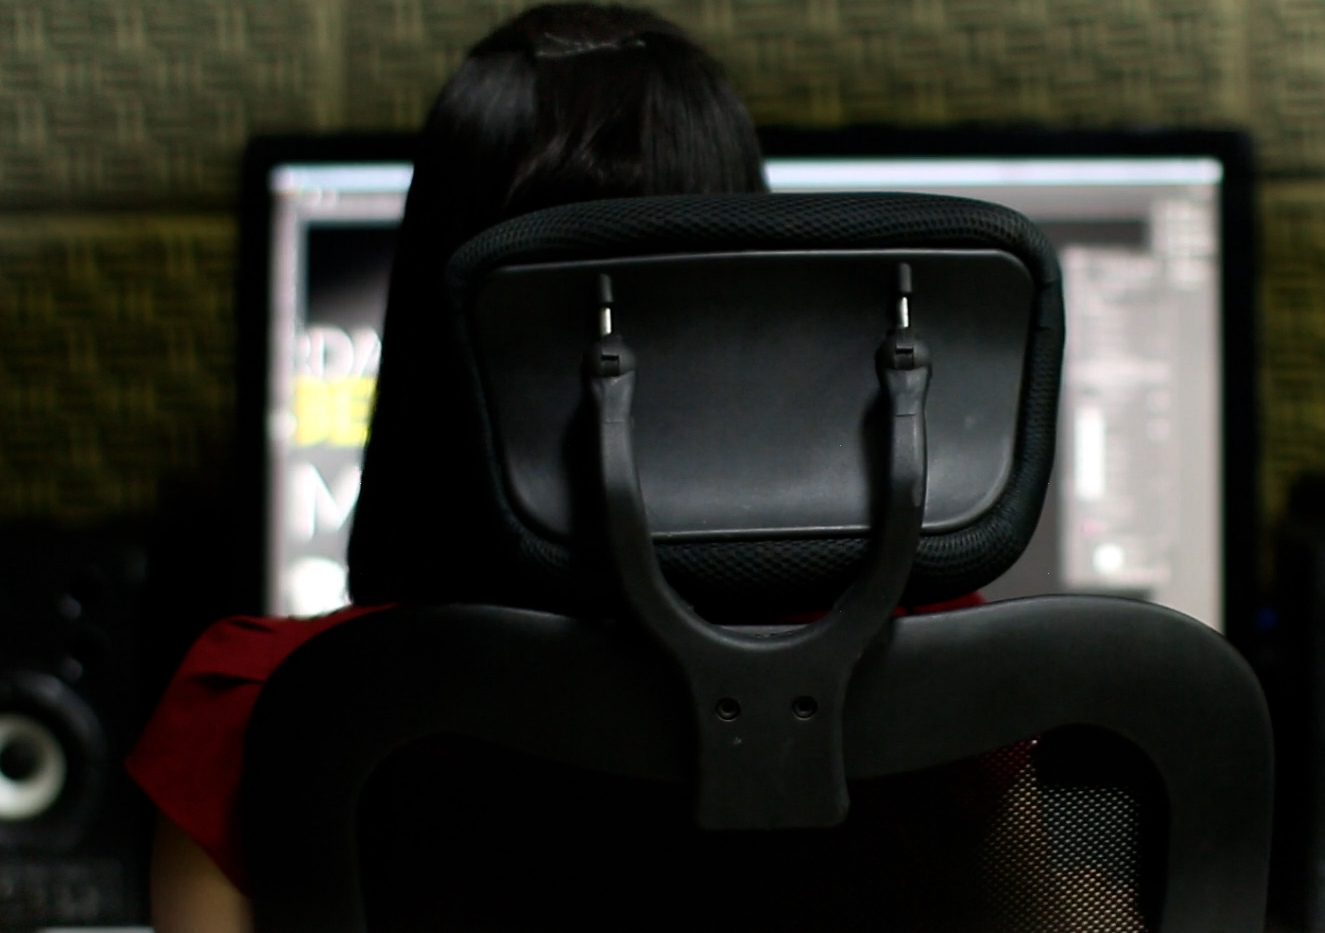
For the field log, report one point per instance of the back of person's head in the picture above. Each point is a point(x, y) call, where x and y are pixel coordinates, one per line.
point(564, 103)
point(593, 102)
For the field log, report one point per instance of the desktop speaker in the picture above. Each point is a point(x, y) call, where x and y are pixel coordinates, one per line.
point(73, 828)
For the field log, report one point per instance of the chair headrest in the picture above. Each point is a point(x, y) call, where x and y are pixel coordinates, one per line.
point(754, 319)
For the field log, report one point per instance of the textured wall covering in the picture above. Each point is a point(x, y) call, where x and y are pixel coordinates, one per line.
point(1292, 334)
point(115, 348)
point(139, 104)
point(148, 102)
point(117, 344)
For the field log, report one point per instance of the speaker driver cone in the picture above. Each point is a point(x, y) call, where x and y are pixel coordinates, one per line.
point(33, 768)
point(53, 763)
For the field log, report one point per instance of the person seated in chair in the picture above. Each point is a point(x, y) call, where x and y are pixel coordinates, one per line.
point(563, 103)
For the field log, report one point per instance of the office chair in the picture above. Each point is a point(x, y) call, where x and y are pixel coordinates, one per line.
point(714, 442)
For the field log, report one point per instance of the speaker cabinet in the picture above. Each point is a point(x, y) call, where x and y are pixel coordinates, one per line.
point(73, 828)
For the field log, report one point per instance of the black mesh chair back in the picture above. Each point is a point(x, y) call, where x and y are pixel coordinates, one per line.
point(689, 425)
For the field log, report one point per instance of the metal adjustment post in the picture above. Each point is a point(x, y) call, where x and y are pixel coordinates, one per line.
point(768, 708)
point(604, 304)
point(904, 296)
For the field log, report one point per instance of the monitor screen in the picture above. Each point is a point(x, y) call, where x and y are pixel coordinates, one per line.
point(333, 229)
point(1140, 489)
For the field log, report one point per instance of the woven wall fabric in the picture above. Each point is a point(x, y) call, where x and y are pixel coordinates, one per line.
point(1286, 85)
point(116, 369)
point(929, 61)
point(148, 102)
point(1292, 335)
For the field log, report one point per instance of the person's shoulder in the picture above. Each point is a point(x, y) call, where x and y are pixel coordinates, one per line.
point(969, 601)
point(251, 647)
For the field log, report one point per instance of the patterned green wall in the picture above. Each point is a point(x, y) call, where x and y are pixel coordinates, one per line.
point(147, 102)
point(121, 123)
point(116, 347)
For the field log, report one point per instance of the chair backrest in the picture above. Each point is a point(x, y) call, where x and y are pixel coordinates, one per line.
point(781, 395)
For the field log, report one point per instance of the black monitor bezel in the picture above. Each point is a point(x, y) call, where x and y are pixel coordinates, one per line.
point(1241, 525)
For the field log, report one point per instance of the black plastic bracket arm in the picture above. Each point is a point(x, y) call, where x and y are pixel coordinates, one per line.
point(768, 707)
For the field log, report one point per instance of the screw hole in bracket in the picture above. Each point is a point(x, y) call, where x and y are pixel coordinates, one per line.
point(727, 709)
point(804, 707)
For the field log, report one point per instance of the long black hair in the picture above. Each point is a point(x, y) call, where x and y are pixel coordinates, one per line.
point(564, 103)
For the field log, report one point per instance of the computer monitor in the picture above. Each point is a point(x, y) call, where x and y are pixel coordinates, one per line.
point(1153, 490)
point(318, 226)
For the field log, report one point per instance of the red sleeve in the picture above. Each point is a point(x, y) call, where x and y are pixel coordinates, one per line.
point(970, 600)
point(190, 756)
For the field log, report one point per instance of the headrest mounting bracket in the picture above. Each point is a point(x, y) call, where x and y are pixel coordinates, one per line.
point(768, 707)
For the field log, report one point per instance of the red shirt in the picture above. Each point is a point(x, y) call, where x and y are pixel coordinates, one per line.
point(190, 757)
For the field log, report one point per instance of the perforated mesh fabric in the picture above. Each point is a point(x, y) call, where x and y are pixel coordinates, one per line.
point(1063, 834)
point(1068, 853)
point(1080, 882)
point(774, 577)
